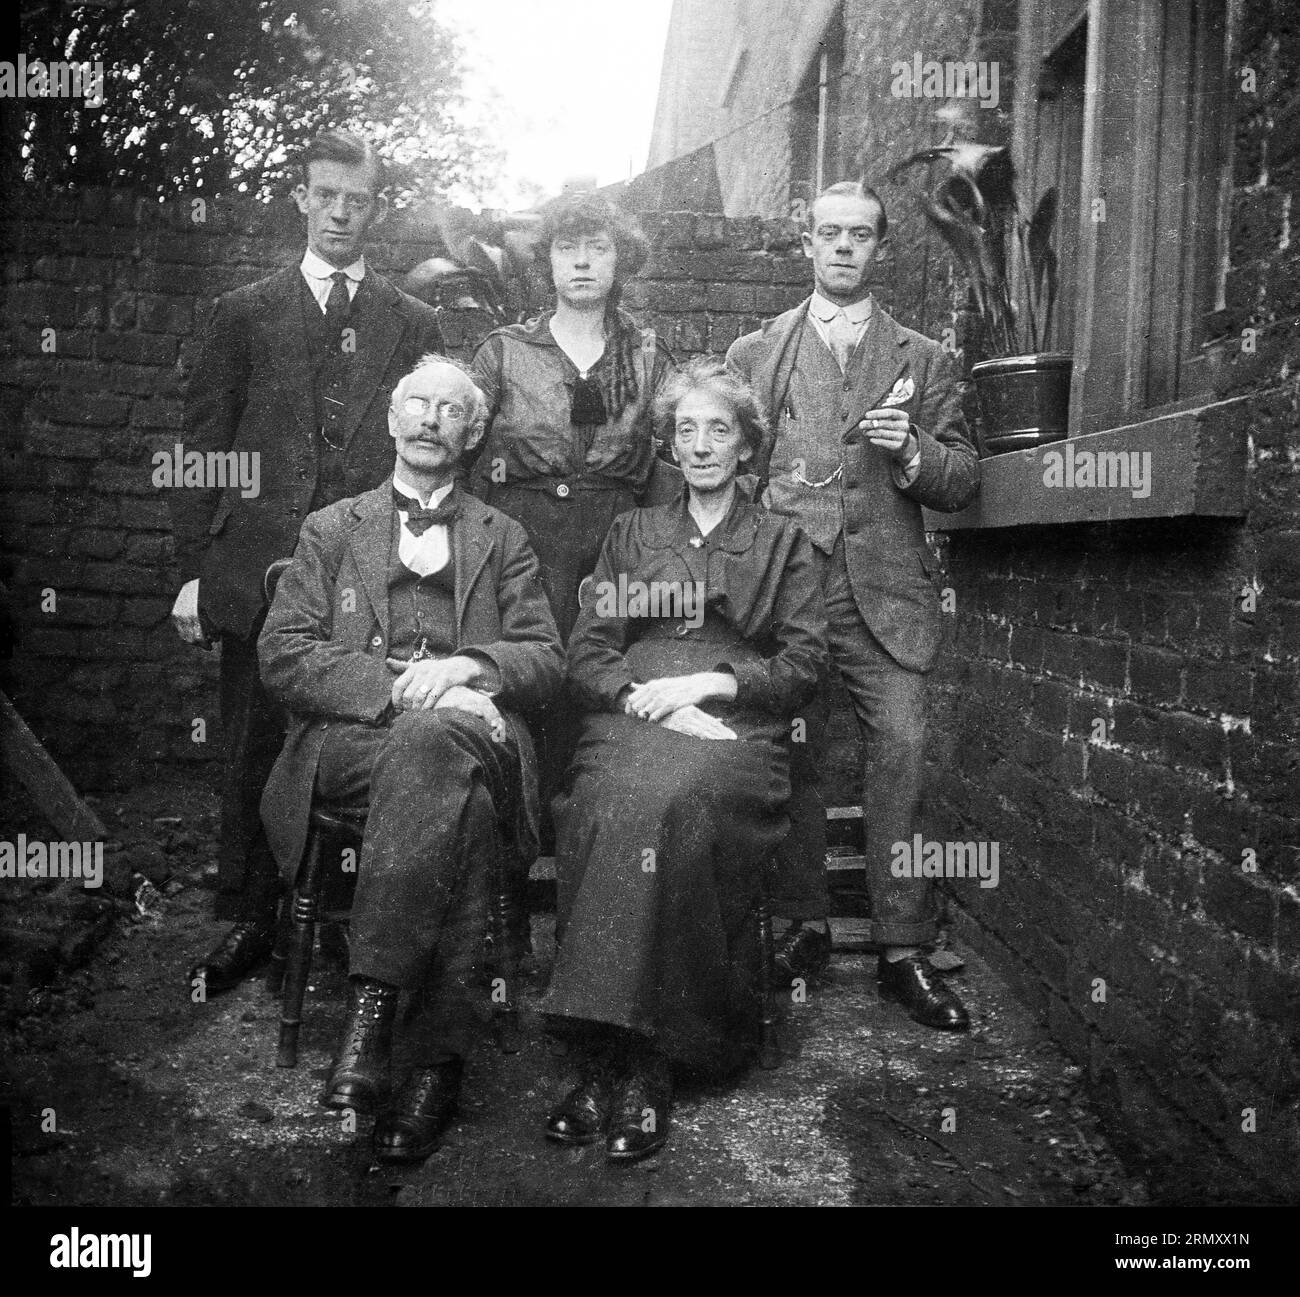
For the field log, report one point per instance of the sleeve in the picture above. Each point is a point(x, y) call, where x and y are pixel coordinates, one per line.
point(215, 394)
point(738, 357)
point(302, 667)
point(948, 477)
point(527, 661)
point(486, 367)
point(788, 678)
point(598, 671)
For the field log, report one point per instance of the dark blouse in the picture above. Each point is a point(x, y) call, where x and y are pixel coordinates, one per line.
point(761, 617)
point(529, 379)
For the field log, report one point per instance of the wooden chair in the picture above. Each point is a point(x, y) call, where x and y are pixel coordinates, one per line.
point(303, 912)
point(769, 1044)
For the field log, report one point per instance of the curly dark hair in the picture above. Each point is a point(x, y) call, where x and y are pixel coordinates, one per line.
point(711, 372)
point(576, 214)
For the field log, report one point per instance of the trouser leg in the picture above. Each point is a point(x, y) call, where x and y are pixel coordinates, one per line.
point(798, 875)
point(439, 787)
point(889, 704)
point(253, 732)
point(454, 1004)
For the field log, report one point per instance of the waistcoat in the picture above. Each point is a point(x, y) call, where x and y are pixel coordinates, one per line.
point(421, 609)
point(330, 372)
point(808, 440)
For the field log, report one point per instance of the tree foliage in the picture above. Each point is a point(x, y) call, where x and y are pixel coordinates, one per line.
point(216, 96)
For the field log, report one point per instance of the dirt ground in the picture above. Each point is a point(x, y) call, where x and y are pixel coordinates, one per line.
point(157, 1100)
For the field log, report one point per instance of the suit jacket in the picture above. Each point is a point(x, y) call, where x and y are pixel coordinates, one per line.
point(323, 648)
point(251, 390)
point(892, 571)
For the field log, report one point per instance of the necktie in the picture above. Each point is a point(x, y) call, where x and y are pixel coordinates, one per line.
point(337, 305)
point(419, 520)
point(843, 338)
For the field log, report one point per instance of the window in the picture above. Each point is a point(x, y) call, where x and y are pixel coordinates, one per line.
point(1128, 120)
point(1058, 159)
point(815, 119)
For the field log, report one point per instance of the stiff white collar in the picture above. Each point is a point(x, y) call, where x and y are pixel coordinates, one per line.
point(434, 500)
point(823, 309)
point(318, 268)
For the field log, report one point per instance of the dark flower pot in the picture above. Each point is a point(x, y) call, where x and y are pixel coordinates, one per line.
point(1025, 400)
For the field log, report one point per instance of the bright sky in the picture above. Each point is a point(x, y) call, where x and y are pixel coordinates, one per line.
point(568, 87)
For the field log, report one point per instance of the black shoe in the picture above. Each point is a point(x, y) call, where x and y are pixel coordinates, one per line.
point(242, 949)
point(412, 1125)
point(638, 1125)
point(359, 1073)
point(582, 1116)
point(922, 992)
point(802, 951)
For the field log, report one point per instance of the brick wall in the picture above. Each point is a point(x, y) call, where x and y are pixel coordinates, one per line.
point(99, 307)
point(1125, 726)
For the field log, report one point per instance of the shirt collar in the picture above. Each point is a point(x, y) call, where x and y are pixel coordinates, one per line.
point(318, 268)
point(825, 310)
point(434, 500)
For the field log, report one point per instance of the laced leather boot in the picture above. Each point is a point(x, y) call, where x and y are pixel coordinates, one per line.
point(638, 1124)
point(582, 1116)
point(359, 1075)
point(411, 1127)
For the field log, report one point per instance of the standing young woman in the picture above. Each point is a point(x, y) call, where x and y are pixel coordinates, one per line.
point(570, 443)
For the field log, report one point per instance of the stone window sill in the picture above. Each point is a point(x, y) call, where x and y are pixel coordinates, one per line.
point(1197, 462)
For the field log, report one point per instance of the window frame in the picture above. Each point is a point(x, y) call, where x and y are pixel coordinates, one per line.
point(1114, 258)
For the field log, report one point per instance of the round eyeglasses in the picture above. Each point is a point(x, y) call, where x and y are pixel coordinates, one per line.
point(416, 407)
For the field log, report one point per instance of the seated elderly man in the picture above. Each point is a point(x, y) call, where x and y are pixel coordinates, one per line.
point(408, 630)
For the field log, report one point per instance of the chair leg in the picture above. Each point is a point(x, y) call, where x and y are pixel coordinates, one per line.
point(769, 1047)
point(502, 962)
point(280, 955)
point(306, 907)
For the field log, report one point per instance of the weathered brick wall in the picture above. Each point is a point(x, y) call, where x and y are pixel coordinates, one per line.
point(100, 303)
point(1120, 720)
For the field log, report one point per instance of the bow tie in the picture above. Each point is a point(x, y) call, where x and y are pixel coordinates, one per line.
point(419, 520)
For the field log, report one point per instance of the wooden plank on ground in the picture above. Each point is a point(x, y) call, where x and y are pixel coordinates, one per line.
point(38, 772)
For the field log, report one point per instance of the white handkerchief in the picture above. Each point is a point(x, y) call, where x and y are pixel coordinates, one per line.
point(902, 392)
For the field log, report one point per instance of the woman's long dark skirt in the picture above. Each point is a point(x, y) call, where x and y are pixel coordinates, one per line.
point(659, 846)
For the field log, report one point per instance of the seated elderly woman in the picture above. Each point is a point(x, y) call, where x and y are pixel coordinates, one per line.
point(701, 634)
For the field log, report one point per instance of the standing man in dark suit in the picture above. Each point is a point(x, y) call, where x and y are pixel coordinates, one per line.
point(295, 369)
point(866, 429)
point(408, 631)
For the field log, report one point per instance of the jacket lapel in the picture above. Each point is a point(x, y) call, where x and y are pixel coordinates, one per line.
point(283, 298)
point(471, 545)
point(371, 540)
point(882, 357)
point(379, 323)
point(771, 377)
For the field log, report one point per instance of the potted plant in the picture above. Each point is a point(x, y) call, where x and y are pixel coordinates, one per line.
point(486, 266)
point(1024, 388)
